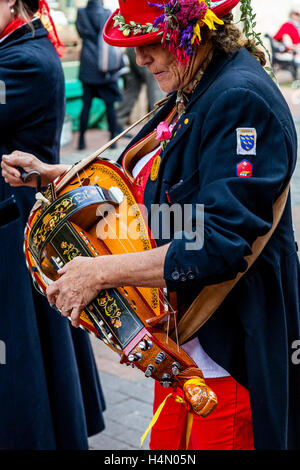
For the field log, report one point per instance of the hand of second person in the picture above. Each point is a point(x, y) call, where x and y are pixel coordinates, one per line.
point(28, 162)
point(78, 286)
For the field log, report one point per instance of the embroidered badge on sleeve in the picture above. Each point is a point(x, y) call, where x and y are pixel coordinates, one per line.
point(244, 169)
point(246, 141)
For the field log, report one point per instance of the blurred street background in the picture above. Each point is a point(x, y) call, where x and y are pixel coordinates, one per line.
point(128, 394)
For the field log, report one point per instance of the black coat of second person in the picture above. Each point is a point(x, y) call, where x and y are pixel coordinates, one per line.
point(50, 395)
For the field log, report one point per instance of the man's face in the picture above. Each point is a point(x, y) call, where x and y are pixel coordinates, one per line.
point(295, 16)
point(163, 66)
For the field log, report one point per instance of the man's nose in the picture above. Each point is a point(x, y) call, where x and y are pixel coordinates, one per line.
point(142, 58)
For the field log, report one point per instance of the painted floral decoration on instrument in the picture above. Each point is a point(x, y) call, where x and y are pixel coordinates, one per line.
point(179, 24)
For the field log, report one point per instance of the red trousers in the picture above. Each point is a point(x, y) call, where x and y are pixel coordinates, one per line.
point(228, 427)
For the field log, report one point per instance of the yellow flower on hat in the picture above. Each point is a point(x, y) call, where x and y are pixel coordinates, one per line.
point(209, 19)
point(197, 32)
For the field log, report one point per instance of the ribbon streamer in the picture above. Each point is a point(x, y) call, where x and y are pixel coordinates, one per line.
point(179, 399)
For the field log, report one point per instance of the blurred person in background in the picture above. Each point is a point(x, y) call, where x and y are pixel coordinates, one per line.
point(96, 84)
point(289, 33)
point(50, 394)
point(134, 80)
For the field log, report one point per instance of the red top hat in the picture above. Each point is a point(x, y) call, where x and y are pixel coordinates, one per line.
point(143, 15)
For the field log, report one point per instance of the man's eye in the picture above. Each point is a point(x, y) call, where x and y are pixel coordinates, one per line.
point(152, 47)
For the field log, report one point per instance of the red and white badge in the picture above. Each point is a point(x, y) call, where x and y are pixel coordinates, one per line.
point(244, 169)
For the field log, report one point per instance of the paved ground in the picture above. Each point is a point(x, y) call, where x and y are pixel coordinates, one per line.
point(128, 394)
point(129, 397)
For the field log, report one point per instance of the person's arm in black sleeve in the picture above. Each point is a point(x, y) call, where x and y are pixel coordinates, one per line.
point(26, 82)
point(238, 209)
point(84, 26)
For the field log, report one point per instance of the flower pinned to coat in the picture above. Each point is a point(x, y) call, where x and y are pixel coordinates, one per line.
point(164, 133)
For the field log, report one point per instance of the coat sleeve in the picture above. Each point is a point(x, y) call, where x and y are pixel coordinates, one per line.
point(83, 26)
point(26, 84)
point(238, 208)
point(88, 26)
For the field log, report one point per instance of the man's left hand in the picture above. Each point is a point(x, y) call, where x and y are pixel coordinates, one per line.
point(78, 286)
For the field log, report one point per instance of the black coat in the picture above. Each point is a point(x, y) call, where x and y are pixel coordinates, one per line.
point(50, 395)
point(252, 334)
point(89, 23)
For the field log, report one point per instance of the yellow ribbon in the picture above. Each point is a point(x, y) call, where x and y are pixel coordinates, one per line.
point(155, 418)
point(195, 382)
point(189, 425)
point(190, 417)
point(190, 420)
point(178, 399)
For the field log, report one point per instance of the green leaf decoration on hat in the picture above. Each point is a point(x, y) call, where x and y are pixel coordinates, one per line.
point(248, 18)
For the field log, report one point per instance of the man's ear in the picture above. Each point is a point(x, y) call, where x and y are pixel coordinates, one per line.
point(11, 3)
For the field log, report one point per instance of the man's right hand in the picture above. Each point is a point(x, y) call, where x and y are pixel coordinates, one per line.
point(26, 161)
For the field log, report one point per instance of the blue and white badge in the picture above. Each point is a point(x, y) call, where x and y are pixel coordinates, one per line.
point(246, 141)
